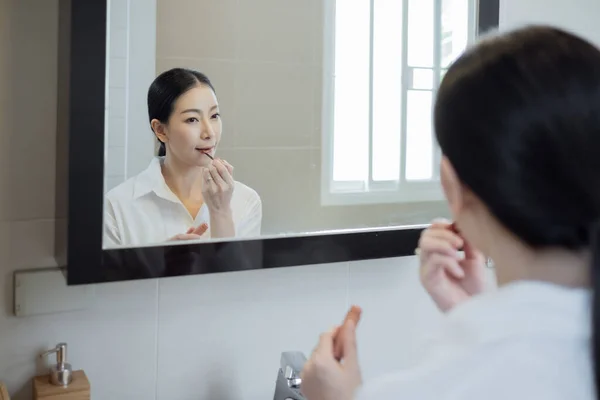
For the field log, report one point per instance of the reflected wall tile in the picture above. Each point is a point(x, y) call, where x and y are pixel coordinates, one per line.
point(118, 43)
point(117, 72)
point(111, 182)
point(319, 130)
point(117, 100)
point(118, 13)
point(222, 76)
point(115, 161)
point(278, 31)
point(116, 132)
point(229, 340)
point(274, 105)
point(319, 31)
point(282, 180)
point(397, 312)
point(196, 28)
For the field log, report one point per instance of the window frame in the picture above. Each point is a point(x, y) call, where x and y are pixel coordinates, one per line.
point(335, 193)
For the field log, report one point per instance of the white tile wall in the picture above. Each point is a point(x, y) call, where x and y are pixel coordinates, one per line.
point(131, 68)
point(204, 337)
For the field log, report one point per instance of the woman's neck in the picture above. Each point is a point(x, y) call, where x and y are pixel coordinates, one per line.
point(184, 181)
point(513, 261)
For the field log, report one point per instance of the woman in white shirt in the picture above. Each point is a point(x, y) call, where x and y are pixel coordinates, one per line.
point(518, 121)
point(186, 192)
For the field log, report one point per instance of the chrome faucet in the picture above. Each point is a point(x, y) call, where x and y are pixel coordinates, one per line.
point(288, 382)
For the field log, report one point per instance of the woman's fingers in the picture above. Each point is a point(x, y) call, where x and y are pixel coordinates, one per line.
point(223, 172)
point(186, 236)
point(439, 262)
point(353, 318)
point(209, 184)
point(199, 230)
point(227, 165)
point(445, 234)
point(347, 349)
point(431, 244)
point(192, 233)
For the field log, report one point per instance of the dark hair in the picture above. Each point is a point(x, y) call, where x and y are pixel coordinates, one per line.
point(518, 116)
point(166, 89)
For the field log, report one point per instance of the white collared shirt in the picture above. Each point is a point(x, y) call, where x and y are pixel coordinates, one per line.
point(143, 210)
point(526, 341)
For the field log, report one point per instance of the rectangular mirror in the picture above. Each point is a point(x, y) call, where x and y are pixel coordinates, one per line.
point(211, 136)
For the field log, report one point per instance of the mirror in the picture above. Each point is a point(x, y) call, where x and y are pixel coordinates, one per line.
point(317, 115)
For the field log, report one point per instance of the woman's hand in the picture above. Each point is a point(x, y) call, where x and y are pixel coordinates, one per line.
point(325, 378)
point(192, 233)
point(217, 191)
point(218, 185)
point(449, 277)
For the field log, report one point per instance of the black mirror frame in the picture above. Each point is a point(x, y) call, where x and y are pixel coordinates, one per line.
point(80, 156)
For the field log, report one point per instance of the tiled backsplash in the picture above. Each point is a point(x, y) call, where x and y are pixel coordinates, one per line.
point(131, 66)
point(202, 337)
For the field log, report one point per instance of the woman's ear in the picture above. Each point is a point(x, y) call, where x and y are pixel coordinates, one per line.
point(453, 188)
point(159, 130)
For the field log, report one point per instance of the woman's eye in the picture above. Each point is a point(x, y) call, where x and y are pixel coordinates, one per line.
point(191, 120)
point(217, 115)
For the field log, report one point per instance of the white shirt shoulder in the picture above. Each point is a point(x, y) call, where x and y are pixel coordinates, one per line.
point(526, 341)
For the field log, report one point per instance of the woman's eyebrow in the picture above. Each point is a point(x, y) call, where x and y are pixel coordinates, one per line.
point(197, 110)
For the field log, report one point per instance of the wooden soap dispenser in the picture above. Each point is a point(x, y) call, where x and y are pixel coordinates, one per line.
point(61, 383)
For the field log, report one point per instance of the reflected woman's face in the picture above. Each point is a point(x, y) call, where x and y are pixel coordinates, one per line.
point(194, 127)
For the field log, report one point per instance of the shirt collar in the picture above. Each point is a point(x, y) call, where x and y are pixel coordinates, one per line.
point(151, 180)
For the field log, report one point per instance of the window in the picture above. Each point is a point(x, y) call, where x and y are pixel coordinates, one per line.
point(385, 59)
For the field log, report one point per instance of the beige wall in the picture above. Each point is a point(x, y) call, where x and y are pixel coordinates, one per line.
point(265, 60)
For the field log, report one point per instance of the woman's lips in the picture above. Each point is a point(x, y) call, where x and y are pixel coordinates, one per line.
point(206, 151)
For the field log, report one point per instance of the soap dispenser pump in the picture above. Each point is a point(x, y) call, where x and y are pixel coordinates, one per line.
point(61, 373)
point(61, 382)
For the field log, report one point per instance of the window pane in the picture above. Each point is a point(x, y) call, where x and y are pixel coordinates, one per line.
point(387, 85)
point(422, 79)
point(351, 108)
point(455, 29)
point(420, 33)
point(419, 140)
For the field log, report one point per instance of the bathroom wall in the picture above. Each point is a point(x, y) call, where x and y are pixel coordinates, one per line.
point(131, 66)
point(205, 337)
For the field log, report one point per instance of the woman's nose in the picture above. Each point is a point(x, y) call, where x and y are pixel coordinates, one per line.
point(206, 130)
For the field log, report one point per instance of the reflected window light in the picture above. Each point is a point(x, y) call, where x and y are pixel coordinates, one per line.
point(388, 59)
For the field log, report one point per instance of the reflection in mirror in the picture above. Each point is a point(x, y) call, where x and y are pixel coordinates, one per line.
point(252, 118)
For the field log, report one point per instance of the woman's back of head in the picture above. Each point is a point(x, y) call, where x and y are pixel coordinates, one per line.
point(518, 117)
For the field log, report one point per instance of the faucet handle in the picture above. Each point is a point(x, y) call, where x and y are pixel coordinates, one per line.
point(292, 363)
point(290, 373)
point(295, 360)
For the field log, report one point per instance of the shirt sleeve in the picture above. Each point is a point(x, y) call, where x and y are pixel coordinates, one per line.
point(252, 223)
point(112, 236)
point(489, 372)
